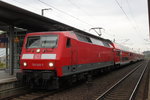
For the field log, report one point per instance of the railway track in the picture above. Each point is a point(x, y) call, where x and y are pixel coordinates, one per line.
point(34, 95)
point(85, 91)
point(37, 94)
point(125, 88)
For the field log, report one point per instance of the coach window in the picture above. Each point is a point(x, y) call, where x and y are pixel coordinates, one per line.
point(68, 43)
point(118, 53)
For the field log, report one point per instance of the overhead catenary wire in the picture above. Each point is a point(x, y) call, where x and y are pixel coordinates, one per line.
point(78, 7)
point(85, 12)
point(122, 9)
point(129, 6)
point(65, 13)
point(72, 3)
point(75, 5)
point(22, 3)
point(125, 15)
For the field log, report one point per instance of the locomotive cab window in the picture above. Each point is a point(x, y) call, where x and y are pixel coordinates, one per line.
point(33, 41)
point(44, 41)
point(84, 38)
point(68, 43)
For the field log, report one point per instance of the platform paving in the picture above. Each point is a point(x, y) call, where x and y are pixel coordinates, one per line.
point(9, 85)
point(4, 74)
point(149, 89)
point(6, 77)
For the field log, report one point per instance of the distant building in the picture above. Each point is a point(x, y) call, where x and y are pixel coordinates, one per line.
point(3, 45)
point(3, 41)
point(146, 52)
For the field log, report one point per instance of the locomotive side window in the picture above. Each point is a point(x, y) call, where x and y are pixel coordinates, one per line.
point(83, 38)
point(44, 41)
point(68, 43)
point(106, 44)
point(110, 45)
point(97, 42)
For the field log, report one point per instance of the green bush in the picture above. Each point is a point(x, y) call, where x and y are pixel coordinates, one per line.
point(2, 65)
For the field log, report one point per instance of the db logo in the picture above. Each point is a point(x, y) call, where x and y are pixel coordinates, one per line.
point(37, 56)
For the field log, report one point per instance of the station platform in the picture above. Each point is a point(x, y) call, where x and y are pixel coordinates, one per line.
point(8, 84)
point(5, 77)
point(4, 74)
point(149, 89)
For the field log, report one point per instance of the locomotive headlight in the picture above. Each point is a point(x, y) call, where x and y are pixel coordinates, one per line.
point(24, 64)
point(38, 50)
point(51, 64)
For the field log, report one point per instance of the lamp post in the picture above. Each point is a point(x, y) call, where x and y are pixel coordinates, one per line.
point(42, 10)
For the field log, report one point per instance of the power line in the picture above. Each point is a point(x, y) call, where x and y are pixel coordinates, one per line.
point(26, 5)
point(78, 7)
point(132, 15)
point(125, 14)
point(65, 13)
point(85, 12)
point(122, 10)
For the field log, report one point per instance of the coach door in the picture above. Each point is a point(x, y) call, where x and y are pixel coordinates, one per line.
point(121, 57)
point(118, 56)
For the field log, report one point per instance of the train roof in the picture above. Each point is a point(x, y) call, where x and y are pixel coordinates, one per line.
point(81, 33)
point(93, 36)
point(122, 47)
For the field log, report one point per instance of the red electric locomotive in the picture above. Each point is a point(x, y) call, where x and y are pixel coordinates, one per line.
point(48, 57)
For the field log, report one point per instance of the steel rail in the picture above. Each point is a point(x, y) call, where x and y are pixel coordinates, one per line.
point(140, 79)
point(107, 91)
point(38, 95)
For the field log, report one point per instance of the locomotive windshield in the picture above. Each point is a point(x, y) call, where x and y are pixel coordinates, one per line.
point(43, 41)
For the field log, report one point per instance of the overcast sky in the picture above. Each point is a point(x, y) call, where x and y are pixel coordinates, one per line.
point(126, 21)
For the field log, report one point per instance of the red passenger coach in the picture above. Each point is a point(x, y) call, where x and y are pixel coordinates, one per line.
point(124, 55)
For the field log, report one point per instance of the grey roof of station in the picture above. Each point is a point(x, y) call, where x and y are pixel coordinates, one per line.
point(12, 15)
